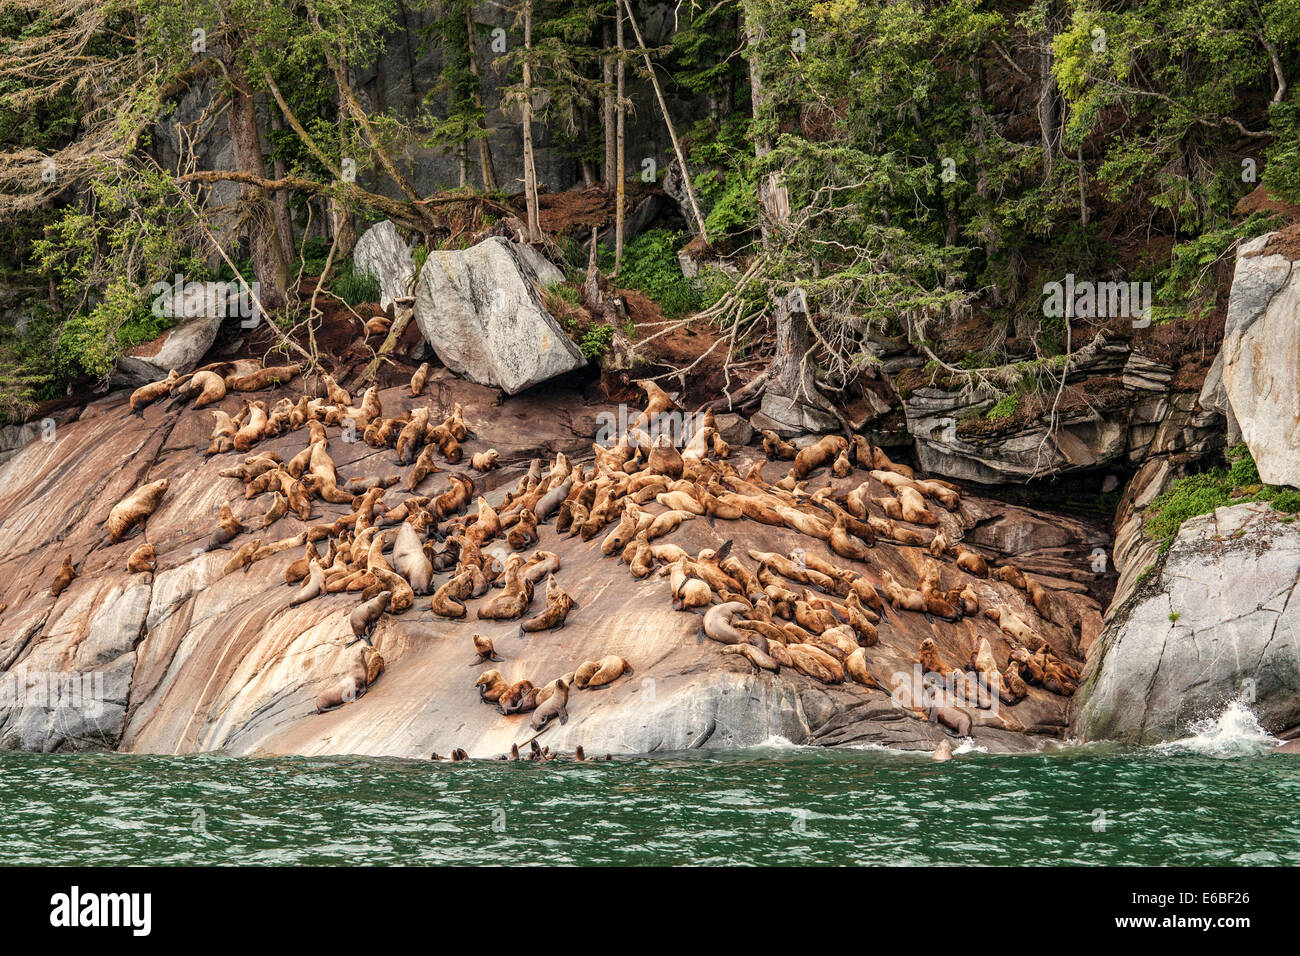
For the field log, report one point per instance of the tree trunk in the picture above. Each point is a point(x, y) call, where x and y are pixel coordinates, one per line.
point(620, 154)
point(486, 167)
point(270, 268)
point(607, 111)
point(668, 121)
point(283, 219)
point(530, 169)
point(791, 397)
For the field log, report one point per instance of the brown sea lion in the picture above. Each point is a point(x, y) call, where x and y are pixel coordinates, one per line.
point(314, 586)
point(517, 697)
point(755, 656)
point(821, 452)
point(262, 378)
point(485, 651)
point(135, 508)
point(63, 577)
point(514, 600)
point(777, 448)
point(485, 460)
point(954, 718)
point(419, 378)
point(553, 706)
point(491, 686)
point(855, 665)
point(558, 606)
point(929, 658)
point(972, 563)
point(901, 598)
point(142, 558)
point(1013, 576)
point(608, 670)
point(362, 619)
point(145, 394)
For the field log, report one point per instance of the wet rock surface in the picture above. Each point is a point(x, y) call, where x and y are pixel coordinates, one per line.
point(1213, 621)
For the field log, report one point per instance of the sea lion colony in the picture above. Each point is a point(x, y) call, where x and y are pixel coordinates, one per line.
point(794, 610)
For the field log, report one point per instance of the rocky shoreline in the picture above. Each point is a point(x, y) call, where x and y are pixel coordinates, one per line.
point(191, 657)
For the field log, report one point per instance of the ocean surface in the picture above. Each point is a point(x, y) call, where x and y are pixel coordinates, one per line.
point(1217, 797)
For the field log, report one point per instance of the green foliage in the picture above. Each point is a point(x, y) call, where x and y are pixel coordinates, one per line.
point(650, 265)
point(1234, 482)
point(354, 288)
point(595, 341)
point(1282, 172)
point(1004, 408)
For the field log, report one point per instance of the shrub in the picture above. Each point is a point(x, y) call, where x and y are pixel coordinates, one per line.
point(650, 265)
point(354, 288)
point(595, 341)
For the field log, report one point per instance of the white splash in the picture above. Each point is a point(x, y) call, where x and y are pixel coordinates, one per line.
point(1234, 732)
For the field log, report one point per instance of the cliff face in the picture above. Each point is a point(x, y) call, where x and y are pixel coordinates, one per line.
point(195, 659)
point(1212, 619)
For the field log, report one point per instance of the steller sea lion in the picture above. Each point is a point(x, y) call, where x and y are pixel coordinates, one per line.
point(142, 558)
point(608, 670)
point(554, 706)
point(817, 454)
point(63, 577)
point(145, 394)
point(419, 378)
point(516, 697)
point(485, 460)
point(776, 447)
point(558, 606)
point(754, 656)
point(491, 686)
point(929, 658)
point(485, 651)
point(135, 508)
point(1012, 575)
point(954, 718)
point(362, 620)
point(314, 586)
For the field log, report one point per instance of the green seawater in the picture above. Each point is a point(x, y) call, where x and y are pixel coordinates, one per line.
point(1079, 806)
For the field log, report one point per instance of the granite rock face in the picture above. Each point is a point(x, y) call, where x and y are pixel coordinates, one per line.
point(1214, 622)
point(382, 253)
point(1261, 360)
point(481, 311)
point(190, 658)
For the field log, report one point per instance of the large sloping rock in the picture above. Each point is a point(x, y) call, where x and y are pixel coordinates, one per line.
point(382, 253)
point(190, 658)
point(481, 310)
point(1261, 360)
point(1216, 622)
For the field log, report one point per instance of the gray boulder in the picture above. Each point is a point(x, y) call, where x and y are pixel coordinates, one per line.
point(1215, 623)
point(382, 253)
point(201, 307)
point(1261, 375)
point(481, 311)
